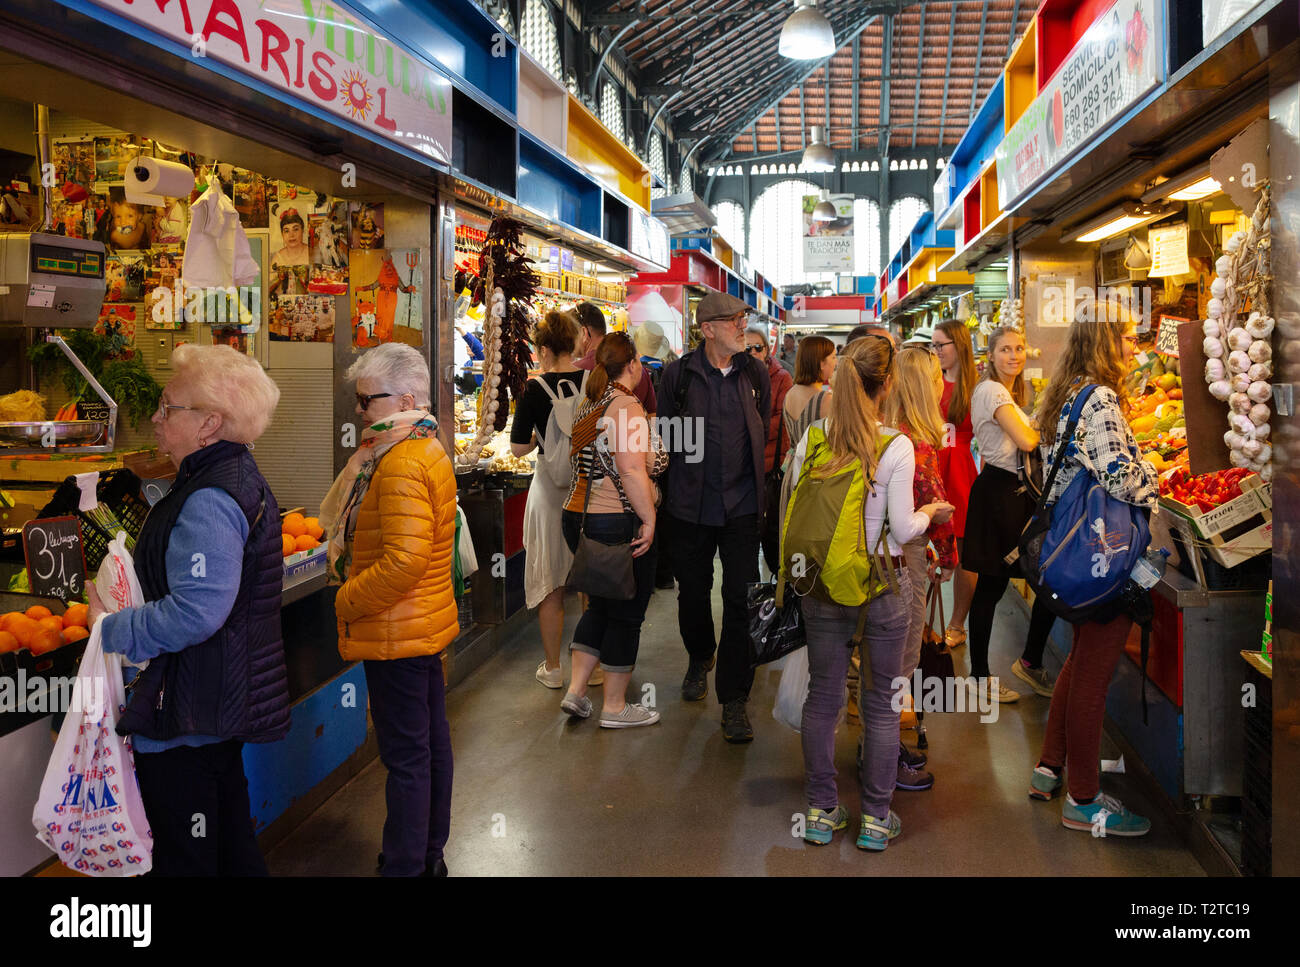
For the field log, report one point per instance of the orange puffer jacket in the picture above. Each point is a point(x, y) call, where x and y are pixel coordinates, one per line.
point(397, 601)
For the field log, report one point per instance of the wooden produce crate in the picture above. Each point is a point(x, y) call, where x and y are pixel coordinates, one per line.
point(1233, 532)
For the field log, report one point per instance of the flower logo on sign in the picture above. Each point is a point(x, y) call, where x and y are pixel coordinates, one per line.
point(1135, 39)
point(356, 95)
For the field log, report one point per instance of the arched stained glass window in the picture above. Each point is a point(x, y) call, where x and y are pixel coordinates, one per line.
point(902, 219)
point(776, 233)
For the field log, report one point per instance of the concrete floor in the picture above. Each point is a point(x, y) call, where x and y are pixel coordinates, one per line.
point(538, 794)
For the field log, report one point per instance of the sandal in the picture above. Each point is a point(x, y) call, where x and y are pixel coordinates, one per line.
point(955, 637)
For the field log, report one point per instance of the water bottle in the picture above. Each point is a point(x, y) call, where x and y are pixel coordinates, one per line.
point(1150, 568)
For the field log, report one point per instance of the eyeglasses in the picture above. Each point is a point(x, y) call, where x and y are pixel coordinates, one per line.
point(735, 322)
point(365, 401)
point(166, 408)
point(755, 350)
point(940, 345)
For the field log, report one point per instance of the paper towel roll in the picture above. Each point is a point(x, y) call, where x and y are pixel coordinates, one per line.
point(149, 181)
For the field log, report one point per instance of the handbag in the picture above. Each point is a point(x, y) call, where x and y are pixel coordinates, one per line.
point(601, 570)
point(936, 662)
point(774, 631)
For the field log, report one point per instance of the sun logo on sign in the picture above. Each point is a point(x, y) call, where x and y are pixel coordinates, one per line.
point(356, 95)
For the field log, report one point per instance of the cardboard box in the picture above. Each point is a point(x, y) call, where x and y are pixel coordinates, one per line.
point(1233, 532)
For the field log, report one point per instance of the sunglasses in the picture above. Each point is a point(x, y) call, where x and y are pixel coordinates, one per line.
point(755, 350)
point(365, 401)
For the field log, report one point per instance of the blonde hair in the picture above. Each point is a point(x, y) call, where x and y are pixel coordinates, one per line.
point(1019, 391)
point(226, 381)
point(854, 423)
point(913, 402)
point(1094, 352)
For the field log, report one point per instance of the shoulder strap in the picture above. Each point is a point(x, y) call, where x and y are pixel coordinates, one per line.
point(683, 382)
point(1076, 411)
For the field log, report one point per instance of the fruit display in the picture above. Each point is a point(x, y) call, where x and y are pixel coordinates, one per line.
point(1155, 412)
point(1205, 491)
point(299, 533)
point(40, 631)
point(1239, 354)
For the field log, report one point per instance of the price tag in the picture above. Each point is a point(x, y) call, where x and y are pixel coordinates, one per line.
point(56, 562)
point(93, 411)
point(41, 296)
point(1167, 340)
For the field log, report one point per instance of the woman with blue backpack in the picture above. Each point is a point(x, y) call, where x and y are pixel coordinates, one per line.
point(850, 514)
point(1095, 362)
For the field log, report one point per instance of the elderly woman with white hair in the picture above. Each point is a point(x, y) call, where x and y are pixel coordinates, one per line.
point(391, 519)
point(208, 560)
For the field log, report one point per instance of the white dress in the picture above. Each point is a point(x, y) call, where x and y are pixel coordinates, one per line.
point(548, 558)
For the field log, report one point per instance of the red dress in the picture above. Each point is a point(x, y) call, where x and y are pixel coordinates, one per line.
point(957, 466)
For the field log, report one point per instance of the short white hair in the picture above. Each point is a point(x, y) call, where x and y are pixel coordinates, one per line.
point(226, 381)
point(760, 332)
point(398, 368)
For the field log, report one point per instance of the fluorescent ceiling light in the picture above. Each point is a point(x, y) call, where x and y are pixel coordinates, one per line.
point(1191, 185)
point(1127, 216)
point(818, 156)
point(807, 34)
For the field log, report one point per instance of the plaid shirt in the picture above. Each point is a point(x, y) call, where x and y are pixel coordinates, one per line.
point(1103, 445)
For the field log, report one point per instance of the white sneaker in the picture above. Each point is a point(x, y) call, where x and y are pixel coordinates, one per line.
point(1000, 692)
point(550, 677)
point(631, 717)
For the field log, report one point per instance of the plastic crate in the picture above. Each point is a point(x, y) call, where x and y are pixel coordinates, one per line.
point(119, 490)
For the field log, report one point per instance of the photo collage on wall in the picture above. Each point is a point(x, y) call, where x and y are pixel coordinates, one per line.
point(312, 248)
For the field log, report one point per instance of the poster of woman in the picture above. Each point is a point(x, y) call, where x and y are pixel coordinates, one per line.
point(289, 239)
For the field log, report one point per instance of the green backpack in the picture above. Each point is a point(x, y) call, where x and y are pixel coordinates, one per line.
point(824, 542)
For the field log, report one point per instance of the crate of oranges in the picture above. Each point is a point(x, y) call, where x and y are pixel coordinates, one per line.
point(39, 629)
point(300, 542)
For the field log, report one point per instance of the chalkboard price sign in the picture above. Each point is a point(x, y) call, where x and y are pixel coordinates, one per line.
point(56, 562)
point(1167, 339)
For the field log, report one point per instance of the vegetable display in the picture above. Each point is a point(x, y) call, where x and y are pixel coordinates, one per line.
point(1206, 491)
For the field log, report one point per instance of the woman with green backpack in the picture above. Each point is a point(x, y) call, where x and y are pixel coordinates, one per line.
point(850, 513)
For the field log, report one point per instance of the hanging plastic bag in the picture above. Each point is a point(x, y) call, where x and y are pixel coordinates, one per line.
point(90, 812)
point(116, 583)
point(465, 546)
point(793, 690)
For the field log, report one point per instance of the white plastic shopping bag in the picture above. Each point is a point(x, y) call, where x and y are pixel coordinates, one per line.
point(465, 547)
point(90, 812)
point(793, 689)
point(117, 585)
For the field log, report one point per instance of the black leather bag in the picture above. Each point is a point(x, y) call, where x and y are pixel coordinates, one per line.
point(936, 660)
point(774, 631)
point(601, 570)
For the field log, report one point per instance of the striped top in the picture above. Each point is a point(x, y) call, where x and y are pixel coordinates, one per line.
point(591, 454)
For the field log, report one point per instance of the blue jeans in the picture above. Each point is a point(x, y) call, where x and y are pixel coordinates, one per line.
point(829, 629)
point(611, 630)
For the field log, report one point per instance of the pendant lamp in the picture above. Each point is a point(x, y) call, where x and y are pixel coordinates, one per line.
point(807, 34)
point(818, 156)
point(825, 211)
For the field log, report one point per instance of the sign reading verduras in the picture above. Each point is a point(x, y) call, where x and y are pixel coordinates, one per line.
point(320, 52)
point(828, 246)
point(1115, 62)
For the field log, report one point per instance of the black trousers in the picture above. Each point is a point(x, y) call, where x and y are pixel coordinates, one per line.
point(692, 548)
point(196, 799)
point(408, 704)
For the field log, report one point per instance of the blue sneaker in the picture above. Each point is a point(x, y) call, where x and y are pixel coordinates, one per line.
point(1044, 784)
point(821, 825)
point(1104, 816)
point(875, 834)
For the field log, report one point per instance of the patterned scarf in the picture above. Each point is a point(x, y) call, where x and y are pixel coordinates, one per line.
point(338, 511)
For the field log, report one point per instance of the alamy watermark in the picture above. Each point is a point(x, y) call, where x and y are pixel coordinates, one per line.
point(957, 694)
point(635, 434)
point(59, 694)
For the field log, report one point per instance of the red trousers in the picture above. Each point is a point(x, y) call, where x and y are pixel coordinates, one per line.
point(1074, 722)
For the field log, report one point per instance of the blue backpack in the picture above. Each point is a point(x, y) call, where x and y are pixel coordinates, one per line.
point(1080, 553)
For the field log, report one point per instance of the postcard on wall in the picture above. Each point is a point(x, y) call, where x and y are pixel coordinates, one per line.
point(171, 221)
point(250, 198)
point(125, 276)
point(329, 253)
point(74, 163)
point(125, 225)
point(117, 320)
point(307, 318)
point(385, 305)
point(367, 225)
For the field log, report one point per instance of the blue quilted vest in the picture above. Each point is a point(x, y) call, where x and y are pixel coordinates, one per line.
point(234, 684)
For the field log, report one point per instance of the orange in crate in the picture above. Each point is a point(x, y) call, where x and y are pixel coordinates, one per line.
point(45, 641)
point(76, 616)
point(74, 633)
point(38, 611)
point(314, 528)
point(287, 545)
point(306, 542)
point(7, 642)
point(51, 624)
point(295, 525)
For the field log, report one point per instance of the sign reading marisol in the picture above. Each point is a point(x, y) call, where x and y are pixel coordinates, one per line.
point(1114, 63)
point(320, 52)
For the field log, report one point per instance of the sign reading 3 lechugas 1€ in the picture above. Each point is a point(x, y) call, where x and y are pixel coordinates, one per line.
point(320, 52)
point(1115, 62)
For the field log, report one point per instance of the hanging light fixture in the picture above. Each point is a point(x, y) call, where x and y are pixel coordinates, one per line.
point(818, 156)
point(1123, 218)
point(807, 34)
point(824, 211)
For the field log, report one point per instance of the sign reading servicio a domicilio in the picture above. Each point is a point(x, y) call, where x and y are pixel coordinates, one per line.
point(1115, 62)
point(319, 52)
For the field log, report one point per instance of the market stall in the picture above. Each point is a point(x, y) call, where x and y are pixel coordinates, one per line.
point(1047, 184)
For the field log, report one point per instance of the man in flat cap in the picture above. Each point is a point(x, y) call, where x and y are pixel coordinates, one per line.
point(714, 505)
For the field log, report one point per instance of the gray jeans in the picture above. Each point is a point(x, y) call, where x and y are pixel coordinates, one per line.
point(829, 630)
